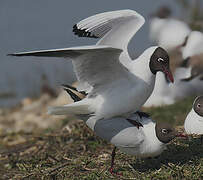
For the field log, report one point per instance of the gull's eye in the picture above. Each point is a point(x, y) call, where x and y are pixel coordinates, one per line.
point(164, 131)
point(199, 105)
point(160, 59)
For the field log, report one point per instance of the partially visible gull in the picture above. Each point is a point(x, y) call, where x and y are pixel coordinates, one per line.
point(194, 120)
point(167, 32)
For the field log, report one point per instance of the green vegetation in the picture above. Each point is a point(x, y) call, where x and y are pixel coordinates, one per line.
point(174, 114)
point(76, 153)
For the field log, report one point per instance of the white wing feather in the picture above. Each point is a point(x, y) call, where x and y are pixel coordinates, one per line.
point(116, 28)
point(95, 66)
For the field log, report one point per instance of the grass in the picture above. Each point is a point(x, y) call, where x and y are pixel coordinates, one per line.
point(174, 114)
point(79, 154)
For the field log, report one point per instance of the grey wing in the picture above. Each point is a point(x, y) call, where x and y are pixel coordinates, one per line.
point(95, 66)
point(119, 132)
point(73, 52)
point(96, 71)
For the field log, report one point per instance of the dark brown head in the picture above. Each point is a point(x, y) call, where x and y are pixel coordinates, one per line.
point(198, 105)
point(159, 61)
point(165, 132)
point(163, 12)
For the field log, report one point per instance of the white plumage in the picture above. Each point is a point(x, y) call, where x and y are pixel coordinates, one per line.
point(193, 123)
point(115, 84)
point(194, 45)
point(166, 94)
point(113, 89)
point(168, 33)
point(141, 142)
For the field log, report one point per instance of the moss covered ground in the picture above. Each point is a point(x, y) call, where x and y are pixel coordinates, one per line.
point(72, 151)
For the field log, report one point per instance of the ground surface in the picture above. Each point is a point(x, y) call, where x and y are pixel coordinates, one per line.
point(71, 151)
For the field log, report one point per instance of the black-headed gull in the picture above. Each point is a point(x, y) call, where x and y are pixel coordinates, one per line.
point(137, 136)
point(115, 84)
point(194, 121)
point(167, 32)
point(149, 140)
point(165, 94)
point(192, 53)
point(195, 63)
point(193, 45)
point(188, 76)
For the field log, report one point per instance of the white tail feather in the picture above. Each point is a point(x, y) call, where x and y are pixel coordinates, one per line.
point(73, 109)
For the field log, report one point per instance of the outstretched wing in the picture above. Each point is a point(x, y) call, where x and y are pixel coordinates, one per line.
point(116, 28)
point(73, 52)
point(95, 66)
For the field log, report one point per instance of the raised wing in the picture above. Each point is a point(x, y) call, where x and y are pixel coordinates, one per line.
point(95, 66)
point(116, 28)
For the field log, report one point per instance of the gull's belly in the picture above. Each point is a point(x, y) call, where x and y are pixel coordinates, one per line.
point(193, 125)
point(143, 150)
point(123, 101)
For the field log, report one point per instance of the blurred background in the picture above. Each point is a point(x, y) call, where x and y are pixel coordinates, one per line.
point(35, 144)
point(33, 25)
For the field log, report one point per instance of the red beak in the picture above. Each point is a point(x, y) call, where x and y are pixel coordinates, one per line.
point(181, 135)
point(168, 73)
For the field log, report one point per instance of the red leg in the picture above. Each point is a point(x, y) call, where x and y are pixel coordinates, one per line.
point(112, 163)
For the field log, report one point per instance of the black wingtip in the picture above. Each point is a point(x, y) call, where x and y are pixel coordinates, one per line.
point(73, 96)
point(15, 54)
point(75, 27)
point(83, 32)
point(10, 55)
point(66, 86)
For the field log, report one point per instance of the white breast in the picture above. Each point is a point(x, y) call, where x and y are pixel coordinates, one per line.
point(150, 146)
point(168, 33)
point(193, 123)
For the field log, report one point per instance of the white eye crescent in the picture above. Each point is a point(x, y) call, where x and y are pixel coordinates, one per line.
point(164, 131)
point(160, 60)
point(198, 105)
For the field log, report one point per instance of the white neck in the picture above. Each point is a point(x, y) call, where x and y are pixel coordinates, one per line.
point(140, 66)
point(151, 140)
point(196, 116)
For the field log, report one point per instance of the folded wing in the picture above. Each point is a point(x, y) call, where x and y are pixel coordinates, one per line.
point(119, 132)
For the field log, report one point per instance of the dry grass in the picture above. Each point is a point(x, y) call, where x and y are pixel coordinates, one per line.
point(76, 153)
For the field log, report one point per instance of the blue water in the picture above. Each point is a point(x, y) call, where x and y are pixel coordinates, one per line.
point(45, 24)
